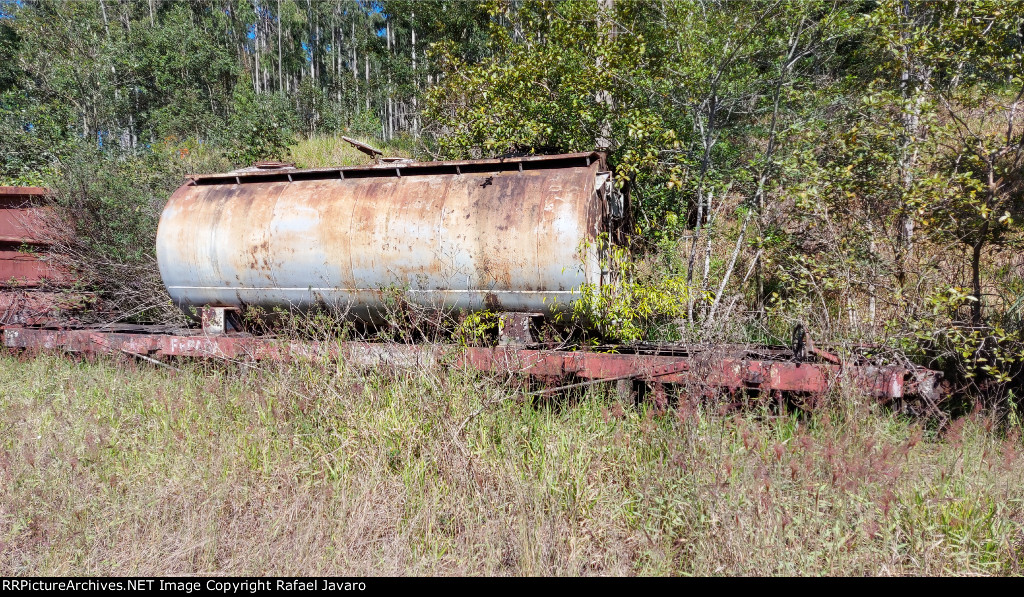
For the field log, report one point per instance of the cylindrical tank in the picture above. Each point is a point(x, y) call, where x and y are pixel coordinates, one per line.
point(513, 234)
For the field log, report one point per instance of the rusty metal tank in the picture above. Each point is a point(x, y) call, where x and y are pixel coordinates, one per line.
point(512, 234)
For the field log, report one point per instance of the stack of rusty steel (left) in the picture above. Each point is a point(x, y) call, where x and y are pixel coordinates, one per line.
point(33, 289)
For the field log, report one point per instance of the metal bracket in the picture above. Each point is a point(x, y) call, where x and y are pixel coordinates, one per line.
point(605, 186)
point(218, 320)
point(804, 345)
point(517, 328)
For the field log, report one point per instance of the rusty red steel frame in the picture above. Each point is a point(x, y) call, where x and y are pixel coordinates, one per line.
point(33, 289)
point(733, 372)
point(20, 306)
point(24, 231)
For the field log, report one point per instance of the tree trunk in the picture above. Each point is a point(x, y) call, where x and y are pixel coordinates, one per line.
point(106, 24)
point(415, 78)
point(256, 59)
point(605, 19)
point(280, 60)
point(355, 70)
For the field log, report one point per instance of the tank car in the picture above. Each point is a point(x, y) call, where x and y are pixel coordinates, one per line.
point(508, 235)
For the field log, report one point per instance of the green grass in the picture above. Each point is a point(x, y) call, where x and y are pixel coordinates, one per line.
point(114, 468)
point(326, 151)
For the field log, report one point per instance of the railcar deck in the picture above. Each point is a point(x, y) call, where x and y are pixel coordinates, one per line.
point(764, 370)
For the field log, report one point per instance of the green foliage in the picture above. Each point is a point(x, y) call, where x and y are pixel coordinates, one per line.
point(544, 93)
point(32, 133)
point(185, 79)
point(476, 328)
point(363, 124)
point(989, 357)
point(530, 95)
point(115, 200)
point(321, 151)
point(32, 138)
point(260, 127)
point(630, 307)
point(245, 76)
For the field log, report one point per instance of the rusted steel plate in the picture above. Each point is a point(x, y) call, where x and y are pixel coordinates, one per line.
point(24, 223)
point(24, 192)
point(37, 307)
point(408, 167)
point(505, 235)
point(28, 225)
point(727, 373)
point(19, 269)
point(22, 219)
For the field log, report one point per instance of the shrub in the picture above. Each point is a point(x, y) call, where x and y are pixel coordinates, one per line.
point(111, 203)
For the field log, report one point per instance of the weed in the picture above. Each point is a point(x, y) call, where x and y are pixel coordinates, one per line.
point(321, 468)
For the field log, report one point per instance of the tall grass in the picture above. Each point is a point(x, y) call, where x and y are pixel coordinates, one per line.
point(114, 468)
point(325, 151)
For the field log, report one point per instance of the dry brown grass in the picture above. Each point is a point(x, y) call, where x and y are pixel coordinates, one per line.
point(110, 468)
